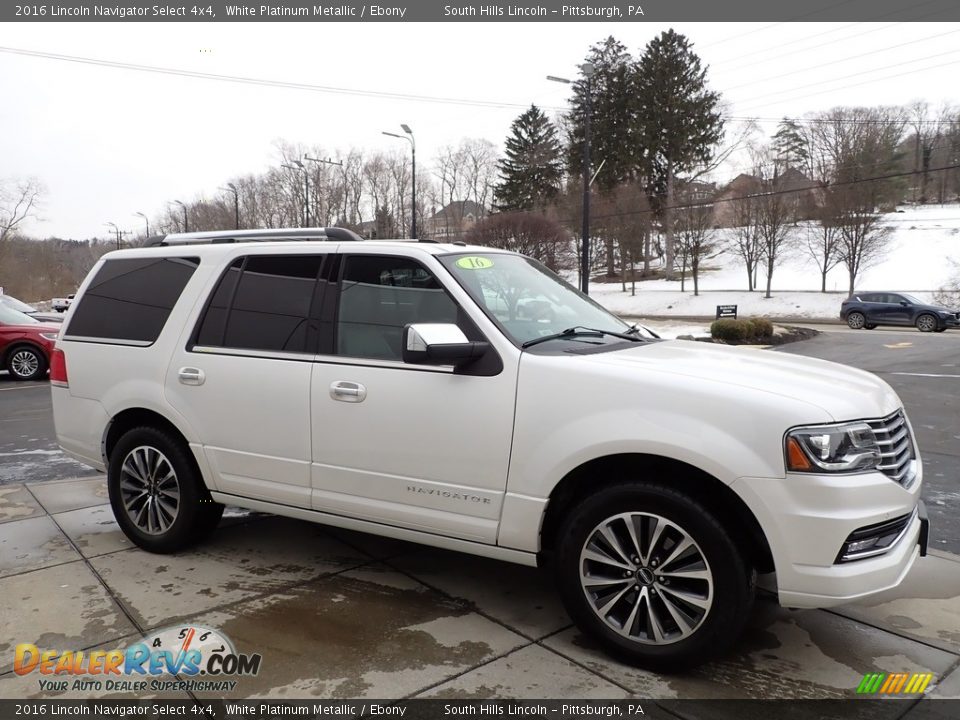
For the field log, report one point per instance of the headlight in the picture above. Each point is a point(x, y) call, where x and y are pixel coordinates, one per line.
point(52, 337)
point(851, 447)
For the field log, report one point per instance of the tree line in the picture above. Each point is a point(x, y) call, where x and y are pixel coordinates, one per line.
point(818, 185)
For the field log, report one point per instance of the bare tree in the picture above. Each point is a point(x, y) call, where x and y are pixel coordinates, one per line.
point(527, 233)
point(695, 236)
point(860, 148)
point(821, 240)
point(19, 200)
point(745, 242)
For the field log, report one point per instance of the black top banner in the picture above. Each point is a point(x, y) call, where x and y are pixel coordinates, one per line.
point(462, 11)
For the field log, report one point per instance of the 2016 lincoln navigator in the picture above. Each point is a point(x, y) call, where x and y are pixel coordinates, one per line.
point(468, 398)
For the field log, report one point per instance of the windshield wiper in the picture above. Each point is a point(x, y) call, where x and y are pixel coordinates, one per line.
point(579, 331)
point(637, 327)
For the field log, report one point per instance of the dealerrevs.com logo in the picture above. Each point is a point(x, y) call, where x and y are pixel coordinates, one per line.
point(190, 651)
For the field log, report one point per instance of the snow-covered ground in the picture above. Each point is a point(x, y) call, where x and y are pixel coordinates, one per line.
point(918, 261)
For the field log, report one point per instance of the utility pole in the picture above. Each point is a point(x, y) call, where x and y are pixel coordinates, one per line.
point(322, 161)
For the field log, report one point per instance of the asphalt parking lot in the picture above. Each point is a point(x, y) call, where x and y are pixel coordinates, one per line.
point(342, 614)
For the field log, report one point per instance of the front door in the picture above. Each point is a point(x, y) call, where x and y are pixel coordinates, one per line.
point(413, 446)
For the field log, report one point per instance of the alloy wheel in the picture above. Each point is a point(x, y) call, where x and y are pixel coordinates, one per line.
point(24, 363)
point(149, 490)
point(646, 578)
point(926, 323)
point(856, 320)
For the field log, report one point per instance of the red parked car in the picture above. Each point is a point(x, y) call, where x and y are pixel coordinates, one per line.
point(25, 344)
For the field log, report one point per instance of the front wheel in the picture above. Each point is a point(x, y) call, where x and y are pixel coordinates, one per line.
point(26, 363)
point(653, 576)
point(157, 495)
point(856, 321)
point(926, 323)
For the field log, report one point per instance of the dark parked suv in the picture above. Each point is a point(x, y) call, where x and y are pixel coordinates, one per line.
point(869, 309)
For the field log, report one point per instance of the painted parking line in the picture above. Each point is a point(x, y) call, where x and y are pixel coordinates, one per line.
point(24, 387)
point(933, 375)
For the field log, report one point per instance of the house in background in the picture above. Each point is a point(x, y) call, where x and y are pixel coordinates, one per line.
point(454, 220)
point(801, 191)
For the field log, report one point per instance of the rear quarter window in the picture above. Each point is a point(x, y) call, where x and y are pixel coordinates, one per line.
point(130, 299)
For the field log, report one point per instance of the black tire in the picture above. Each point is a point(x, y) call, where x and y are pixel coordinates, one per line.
point(926, 323)
point(150, 524)
point(26, 362)
point(730, 602)
point(856, 321)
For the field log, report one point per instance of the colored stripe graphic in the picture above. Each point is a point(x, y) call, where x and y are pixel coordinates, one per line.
point(894, 683)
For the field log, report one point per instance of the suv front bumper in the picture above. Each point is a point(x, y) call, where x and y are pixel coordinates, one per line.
point(808, 518)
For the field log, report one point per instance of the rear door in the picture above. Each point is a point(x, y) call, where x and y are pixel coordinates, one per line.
point(242, 379)
point(421, 447)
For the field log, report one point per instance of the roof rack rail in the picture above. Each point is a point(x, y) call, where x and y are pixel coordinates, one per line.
point(239, 236)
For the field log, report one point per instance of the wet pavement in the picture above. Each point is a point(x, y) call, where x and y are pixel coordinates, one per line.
point(338, 614)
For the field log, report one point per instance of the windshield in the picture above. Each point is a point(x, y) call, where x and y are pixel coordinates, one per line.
point(11, 301)
point(911, 299)
point(9, 316)
point(526, 299)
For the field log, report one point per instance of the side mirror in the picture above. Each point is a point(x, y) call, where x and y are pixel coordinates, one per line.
point(904, 303)
point(439, 344)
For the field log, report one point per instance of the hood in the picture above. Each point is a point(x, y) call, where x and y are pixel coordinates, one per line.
point(47, 327)
point(843, 392)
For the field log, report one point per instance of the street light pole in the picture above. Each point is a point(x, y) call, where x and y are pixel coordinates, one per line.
point(146, 220)
point(116, 230)
point(236, 204)
point(587, 70)
point(186, 223)
point(413, 174)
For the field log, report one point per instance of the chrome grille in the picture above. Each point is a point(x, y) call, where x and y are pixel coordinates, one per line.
point(897, 458)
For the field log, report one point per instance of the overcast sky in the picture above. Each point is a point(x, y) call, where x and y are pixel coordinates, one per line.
point(108, 142)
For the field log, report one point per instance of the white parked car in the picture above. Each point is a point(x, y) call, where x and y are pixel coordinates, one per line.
point(395, 388)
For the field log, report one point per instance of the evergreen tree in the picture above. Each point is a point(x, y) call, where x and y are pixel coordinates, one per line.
point(676, 119)
point(611, 89)
point(532, 169)
point(790, 144)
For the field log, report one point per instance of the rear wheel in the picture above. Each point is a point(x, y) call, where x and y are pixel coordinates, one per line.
point(157, 495)
point(26, 363)
point(652, 575)
point(856, 320)
point(926, 323)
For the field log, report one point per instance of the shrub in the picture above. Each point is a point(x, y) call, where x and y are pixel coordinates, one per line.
point(762, 328)
point(741, 330)
point(730, 330)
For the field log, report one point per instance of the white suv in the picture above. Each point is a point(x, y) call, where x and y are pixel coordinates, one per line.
point(409, 389)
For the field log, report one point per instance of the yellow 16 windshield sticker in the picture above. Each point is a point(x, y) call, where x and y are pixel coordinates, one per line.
point(474, 262)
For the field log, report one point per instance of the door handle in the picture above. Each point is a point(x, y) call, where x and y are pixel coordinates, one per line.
point(346, 391)
point(191, 376)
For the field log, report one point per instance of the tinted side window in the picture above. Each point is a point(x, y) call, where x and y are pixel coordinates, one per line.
point(378, 296)
point(215, 318)
point(131, 299)
point(263, 304)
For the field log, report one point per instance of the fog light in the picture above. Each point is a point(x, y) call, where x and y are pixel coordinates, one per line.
point(874, 540)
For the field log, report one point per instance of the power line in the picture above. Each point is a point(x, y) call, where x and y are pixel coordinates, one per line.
point(842, 60)
point(774, 193)
point(263, 82)
point(864, 82)
point(858, 74)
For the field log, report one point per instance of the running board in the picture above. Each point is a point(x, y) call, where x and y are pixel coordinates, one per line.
point(397, 533)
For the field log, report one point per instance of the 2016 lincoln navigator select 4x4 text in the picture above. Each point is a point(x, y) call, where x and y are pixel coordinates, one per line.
point(470, 399)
